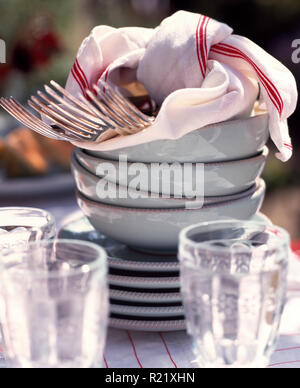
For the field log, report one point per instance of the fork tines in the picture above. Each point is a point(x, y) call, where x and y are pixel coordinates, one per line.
point(100, 115)
point(16, 110)
point(92, 115)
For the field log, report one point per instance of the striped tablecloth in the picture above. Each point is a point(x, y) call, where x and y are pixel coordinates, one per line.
point(130, 349)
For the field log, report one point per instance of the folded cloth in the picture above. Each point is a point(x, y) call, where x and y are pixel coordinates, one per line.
point(108, 54)
point(196, 69)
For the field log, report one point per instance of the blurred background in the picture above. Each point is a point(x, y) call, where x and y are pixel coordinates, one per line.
point(42, 38)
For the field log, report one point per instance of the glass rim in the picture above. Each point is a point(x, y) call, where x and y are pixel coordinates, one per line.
point(99, 263)
point(50, 216)
point(184, 239)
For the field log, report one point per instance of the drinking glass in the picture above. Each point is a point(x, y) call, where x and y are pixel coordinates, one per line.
point(233, 282)
point(56, 304)
point(19, 225)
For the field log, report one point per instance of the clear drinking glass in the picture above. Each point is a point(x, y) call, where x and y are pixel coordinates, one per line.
point(233, 281)
point(56, 304)
point(19, 225)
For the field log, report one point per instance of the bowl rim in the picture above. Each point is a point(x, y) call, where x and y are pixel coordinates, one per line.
point(262, 155)
point(100, 263)
point(225, 124)
point(208, 200)
point(257, 116)
point(260, 190)
point(185, 238)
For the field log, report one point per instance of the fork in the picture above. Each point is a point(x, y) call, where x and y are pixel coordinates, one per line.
point(96, 117)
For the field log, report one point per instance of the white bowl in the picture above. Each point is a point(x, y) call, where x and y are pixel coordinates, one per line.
point(229, 140)
point(158, 229)
point(91, 186)
point(216, 179)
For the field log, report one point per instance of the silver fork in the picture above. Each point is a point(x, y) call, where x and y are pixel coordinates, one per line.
point(99, 117)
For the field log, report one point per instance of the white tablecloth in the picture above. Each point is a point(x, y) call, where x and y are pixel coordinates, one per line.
point(126, 349)
point(174, 350)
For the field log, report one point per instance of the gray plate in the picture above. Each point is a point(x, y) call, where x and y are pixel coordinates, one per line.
point(145, 297)
point(146, 264)
point(49, 184)
point(143, 282)
point(163, 326)
point(144, 312)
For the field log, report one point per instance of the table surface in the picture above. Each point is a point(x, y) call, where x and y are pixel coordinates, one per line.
point(130, 349)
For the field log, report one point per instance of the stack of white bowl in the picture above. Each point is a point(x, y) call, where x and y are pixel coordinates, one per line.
point(234, 154)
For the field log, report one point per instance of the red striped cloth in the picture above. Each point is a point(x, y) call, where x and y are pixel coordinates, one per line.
point(196, 69)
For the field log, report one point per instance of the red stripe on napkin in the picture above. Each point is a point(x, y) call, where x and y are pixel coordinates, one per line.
point(199, 44)
point(240, 57)
point(231, 51)
point(80, 78)
point(272, 88)
point(82, 73)
point(134, 349)
point(167, 349)
point(224, 52)
point(78, 81)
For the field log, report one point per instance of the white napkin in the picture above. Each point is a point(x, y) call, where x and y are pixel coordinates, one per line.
point(196, 68)
point(108, 53)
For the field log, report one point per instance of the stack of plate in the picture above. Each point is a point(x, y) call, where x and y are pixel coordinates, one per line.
point(144, 288)
point(225, 162)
